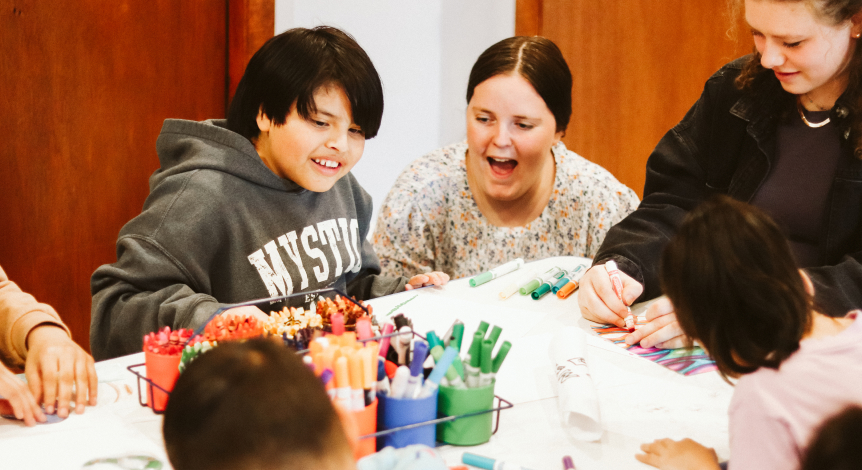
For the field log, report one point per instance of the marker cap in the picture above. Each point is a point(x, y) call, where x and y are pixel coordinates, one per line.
point(476, 347)
point(363, 328)
point(457, 335)
point(337, 322)
point(541, 291)
point(486, 363)
point(478, 461)
point(384, 342)
point(501, 356)
point(567, 290)
point(420, 350)
point(508, 291)
point(530, 286)
point(559, 285)
point(495, 334)
point(433, 340)
point(481, 279)
point(483, 327)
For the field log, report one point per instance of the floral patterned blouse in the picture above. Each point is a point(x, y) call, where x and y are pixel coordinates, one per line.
point(430, 221)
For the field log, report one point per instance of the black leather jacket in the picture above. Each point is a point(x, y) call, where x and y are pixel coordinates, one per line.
point(725, 144)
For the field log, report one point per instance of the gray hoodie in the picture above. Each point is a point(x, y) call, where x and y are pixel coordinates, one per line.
point(219, 227)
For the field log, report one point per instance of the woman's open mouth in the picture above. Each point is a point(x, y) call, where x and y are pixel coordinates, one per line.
point(502, 166)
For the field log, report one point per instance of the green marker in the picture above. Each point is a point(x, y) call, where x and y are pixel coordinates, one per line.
point(496, 272)
point(495, 333)
point(553, 273)
point(483, 327)
point(457, 336)
point(474, 360)
point(501, 356)
point(433, 340)
point(486, 363)
point(451, 373)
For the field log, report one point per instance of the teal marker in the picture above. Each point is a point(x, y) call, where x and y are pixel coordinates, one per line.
point(496, 272)
point(573, 275)
point(553, 273)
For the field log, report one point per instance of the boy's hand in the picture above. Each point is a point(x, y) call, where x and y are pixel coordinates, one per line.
point(54, 364)
point(18, 396)
point(435, 278)
point(668, 454)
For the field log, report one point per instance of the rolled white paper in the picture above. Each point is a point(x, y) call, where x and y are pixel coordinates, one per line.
point(579, 405)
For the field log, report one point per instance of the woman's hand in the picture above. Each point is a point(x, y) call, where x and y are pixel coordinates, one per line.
point(54, 364)
point(598, 301)
point(668, 454)
point(662, 329)
point(20, 399)
point(435, 278)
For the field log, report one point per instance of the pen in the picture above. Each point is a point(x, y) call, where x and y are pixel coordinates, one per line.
point(568, 463)
point(617, 283)
point(487, 463)
point(529, 287)
point(496, 272)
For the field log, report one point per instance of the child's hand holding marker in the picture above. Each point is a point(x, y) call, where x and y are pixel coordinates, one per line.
point(662, 330)
point(599, 302)
point(435, 278)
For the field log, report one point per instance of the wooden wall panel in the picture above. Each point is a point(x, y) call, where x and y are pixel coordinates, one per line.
point(252, 23)
point(638, 66)
point(86, 86)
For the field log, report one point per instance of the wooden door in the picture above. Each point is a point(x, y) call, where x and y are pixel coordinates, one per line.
point(637, 67)
point(86, 85)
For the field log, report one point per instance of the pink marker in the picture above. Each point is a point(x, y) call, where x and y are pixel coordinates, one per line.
point(617, 283)
point(384, 342)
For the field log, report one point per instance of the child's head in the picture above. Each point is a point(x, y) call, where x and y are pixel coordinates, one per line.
point(735, 287)
point(253, 405)
point(308, 100)
point(837, 444)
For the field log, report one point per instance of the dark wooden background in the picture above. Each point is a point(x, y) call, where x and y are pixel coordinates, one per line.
point(85, 87)
point(637, 67)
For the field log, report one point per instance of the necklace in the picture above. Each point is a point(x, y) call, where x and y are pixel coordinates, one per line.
point(808, 123)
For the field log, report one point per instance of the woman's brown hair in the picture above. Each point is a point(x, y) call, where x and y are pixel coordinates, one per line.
point(735, 287)
point(832, 12)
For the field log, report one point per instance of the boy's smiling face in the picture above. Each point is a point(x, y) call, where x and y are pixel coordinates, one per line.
point(315, 152)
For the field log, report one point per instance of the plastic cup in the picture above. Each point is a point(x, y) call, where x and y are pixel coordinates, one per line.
point(396, 412)
point(470, 431)
point(366, 421)
point(163, 371)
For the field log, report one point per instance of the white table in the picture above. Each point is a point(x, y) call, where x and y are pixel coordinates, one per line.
point(639, 401)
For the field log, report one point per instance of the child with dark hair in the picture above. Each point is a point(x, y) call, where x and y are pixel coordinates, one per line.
point(261, 205)
point(737, 291)
point(253, 405)
point(837, 444)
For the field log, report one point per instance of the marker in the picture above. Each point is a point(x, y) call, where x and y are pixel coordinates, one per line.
point(357, 377)
point(384, 342)
point(457, 335)
point(617, 283)
point(382, 379)
point(402, 344)
point(498, 360)
point(433, 339)
point(444, 363)
point(369, 374)
point(488, 463)
point(452, 376)
point(483, 327)
point(541, 291)
point(448, 336)
point(342, 384)
point(327, 378)
point(390, 368)
point(414, 383)
point(568, 463)
point(337, 323)
point(549, 275)
point(510, 290)
point(494, 335)
point(573, 275)
point(399, 383)
point(486, 363)
point(497, 272)
point(471, 367)
point(363, 328)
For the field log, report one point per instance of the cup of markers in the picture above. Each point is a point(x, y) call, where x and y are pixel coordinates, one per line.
point(162, 352)
point(472, 390)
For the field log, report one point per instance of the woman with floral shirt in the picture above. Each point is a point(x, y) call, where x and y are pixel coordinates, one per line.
point(513, 189)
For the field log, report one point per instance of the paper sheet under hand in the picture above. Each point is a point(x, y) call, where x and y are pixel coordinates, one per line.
point(578, 402)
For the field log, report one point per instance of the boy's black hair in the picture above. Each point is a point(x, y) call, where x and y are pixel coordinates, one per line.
point(290, 67)
point(539, 61)
point(251, 405)
point(735, 287)
point(837, 445)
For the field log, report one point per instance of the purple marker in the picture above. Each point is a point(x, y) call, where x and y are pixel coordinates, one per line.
point(414, 384)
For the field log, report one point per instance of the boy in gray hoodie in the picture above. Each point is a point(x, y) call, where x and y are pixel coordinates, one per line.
point(260, 205)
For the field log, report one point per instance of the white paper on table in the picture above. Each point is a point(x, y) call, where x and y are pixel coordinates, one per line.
point(578, 402)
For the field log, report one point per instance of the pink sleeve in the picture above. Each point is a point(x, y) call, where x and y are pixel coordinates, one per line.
point(759, 438)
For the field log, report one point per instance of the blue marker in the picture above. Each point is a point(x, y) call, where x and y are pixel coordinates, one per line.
point(414, 383)
point(439, 371)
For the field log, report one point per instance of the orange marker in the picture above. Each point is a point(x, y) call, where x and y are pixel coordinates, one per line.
point(567, 289)
point(342, 384)
point(369, 374)
point(357, 377)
